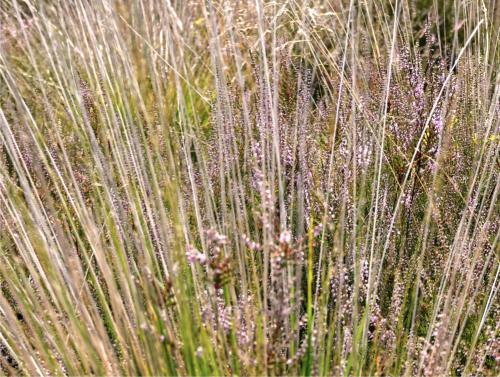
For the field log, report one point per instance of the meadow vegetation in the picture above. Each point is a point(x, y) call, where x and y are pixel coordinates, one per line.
point(250, 187)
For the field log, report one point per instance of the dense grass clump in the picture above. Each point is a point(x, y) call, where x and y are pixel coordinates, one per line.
point(255, 187)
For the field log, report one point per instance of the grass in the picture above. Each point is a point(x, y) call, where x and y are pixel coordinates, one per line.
point(249, 188)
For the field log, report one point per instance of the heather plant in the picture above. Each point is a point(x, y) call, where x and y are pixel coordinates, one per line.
point(249, 187)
